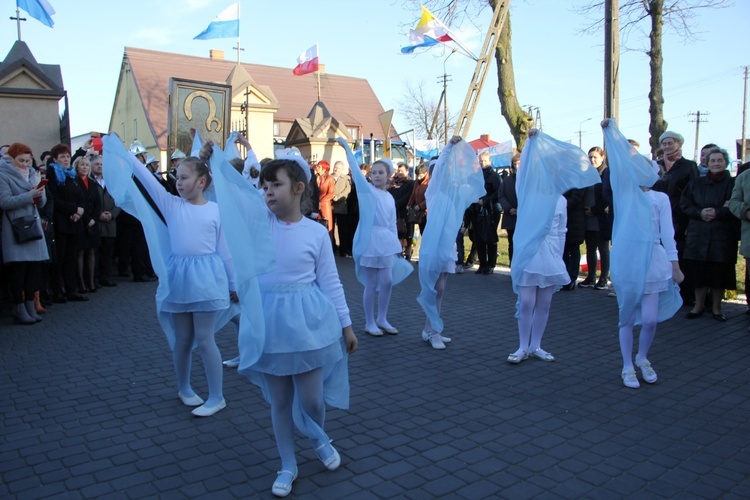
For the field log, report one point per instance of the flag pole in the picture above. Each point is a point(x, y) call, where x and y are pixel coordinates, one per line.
point(317, 72)
point(238, 34)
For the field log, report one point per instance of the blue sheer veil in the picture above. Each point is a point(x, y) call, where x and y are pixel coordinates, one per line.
point(633, 235)
point(367, 207)
point(548, 169)
point(455, 183)
point(244, 218)
point(117, 168)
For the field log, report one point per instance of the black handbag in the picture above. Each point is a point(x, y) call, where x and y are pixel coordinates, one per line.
point(25, 228)
point(414, 215)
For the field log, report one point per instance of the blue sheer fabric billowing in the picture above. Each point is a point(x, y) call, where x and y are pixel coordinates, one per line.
point(245, 222)
point(118, 164)
point(367, 206)
point(633, 237)
point(548, 169)
point(456, 182)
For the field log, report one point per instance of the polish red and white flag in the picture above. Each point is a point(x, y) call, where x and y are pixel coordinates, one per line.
point(307, 61)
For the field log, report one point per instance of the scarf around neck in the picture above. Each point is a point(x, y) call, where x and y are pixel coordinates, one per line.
point(669, 160)
point(61, 172)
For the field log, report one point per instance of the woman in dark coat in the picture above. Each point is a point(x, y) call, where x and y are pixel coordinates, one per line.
point(711, 240)
point(68, 223)
point(598, 227)
point(90, 238)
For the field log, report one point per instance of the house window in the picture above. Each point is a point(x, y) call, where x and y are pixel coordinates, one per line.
point(276, 128)
point(353, 132)
point(135, 129)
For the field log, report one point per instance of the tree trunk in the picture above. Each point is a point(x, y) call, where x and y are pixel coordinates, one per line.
point(657, 126)
point(518, 120)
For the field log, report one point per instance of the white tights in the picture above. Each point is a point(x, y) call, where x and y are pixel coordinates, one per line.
point(649, 312)
point(197, 327)
point(533, 312)
point(439, 288)
point(304, 390)
point(373, 277)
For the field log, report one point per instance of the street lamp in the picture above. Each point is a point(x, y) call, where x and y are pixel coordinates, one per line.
point(580, 132)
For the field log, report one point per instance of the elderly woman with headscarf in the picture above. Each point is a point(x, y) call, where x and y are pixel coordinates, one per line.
point(710, 252)
point(20, 195)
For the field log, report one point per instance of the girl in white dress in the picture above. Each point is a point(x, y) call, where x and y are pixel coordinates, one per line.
point(544, 274)
point(308, 331)
point(376, 261)
point(199, 274)
point(548, 169)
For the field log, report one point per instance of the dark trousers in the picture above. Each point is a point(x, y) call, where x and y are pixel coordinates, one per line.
point(341, 222)
point(133, 249)
point(460, 251)
point(572, 260)
point(24, 278)
point(487, 253)
point(104, 260)
point(68, 246)
point(594, 242)
point(348, 239)
point(510, 245)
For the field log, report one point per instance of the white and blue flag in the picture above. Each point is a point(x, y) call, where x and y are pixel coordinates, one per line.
point(40, 10)
point(225, 25)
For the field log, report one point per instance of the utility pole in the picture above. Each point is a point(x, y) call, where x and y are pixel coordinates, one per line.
point(697, 122)
point(744, 120)
point(444, 80)
point(445, 97)
point(611, 58)
point(536, 115)
point(580, 132)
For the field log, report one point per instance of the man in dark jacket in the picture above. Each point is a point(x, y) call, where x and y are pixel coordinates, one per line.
point(676, 173)
point(509, 202)
point(487, 217)
point(575, 235)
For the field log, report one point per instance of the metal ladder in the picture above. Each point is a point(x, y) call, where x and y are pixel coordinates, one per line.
point(480, 72)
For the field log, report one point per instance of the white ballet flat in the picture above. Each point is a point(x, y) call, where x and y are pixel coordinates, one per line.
point(281, 488)
point(332, 462)
point(204, 411)
point(389, 331)
point(193, 400)
point(426, 338)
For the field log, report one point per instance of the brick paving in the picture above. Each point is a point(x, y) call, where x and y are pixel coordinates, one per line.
point(89, 407)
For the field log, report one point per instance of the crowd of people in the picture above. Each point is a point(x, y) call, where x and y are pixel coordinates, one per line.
point(66, 229)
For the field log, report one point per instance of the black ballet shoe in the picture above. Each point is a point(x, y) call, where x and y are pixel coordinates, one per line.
point(692, 315)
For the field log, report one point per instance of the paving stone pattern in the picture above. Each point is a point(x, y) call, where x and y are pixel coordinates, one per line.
point(89, 407)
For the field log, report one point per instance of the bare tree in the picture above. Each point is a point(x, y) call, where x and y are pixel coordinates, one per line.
point(679, 15)
point(517, 119)
point(424, 114)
